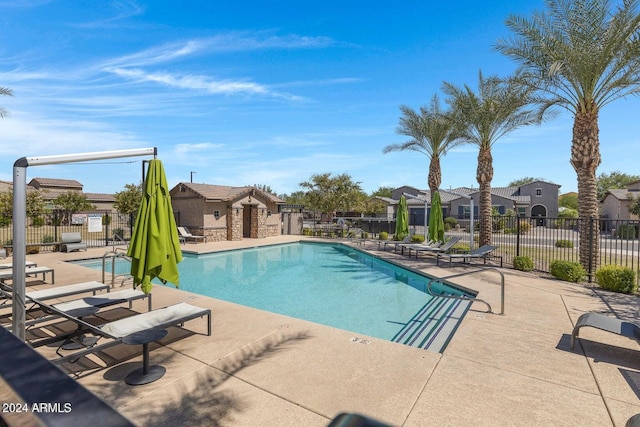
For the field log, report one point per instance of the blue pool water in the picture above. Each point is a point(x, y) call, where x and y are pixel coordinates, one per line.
point(331, 284)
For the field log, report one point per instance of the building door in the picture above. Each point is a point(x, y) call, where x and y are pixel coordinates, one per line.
point(539, 212)
point(246, 221)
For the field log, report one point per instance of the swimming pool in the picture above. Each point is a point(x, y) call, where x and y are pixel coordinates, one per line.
point(331, 284)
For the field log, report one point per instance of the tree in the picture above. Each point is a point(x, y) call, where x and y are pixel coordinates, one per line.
point(568, 200)
point(524, 181)
point(71, 202)
point(35, 205)
point(6, 92)
point(329, 194)
point(612, 181)
point(580, 56)
point(634, 207)
point(128, 200)
point(263, 187)
point(496, 109)
point(296, 198)
point(382, 192)
point(432, 133)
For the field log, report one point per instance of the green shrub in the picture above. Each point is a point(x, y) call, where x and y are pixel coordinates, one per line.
point(306, 232)
point(37, 221)
point(564, 243)
point(509, 231)
point(525, 227)
point(32, 250)
point(567, 270)
point(48, 239)
point(384, 236)
point(617, 278)
point(4, 221)
point(460, 248)
point(399, 237)
point(106, 219)
point(449, 223)
point(626, 232)
point(365, 235)
point(523, 263)
point(417, 238)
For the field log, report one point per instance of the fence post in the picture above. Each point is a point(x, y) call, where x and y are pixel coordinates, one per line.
point(517, 235)
point(590, 272)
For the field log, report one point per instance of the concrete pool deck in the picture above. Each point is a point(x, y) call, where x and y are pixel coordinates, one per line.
point(264, 369)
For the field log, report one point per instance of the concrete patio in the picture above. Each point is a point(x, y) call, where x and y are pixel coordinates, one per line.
point(263, 369)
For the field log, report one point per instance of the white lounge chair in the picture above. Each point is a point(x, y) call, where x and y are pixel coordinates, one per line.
point(7, 273)
point(481, 252)
point(119, 330)
point(96, 301)
point(186, 235)
point(10, 265)
point(444, 248)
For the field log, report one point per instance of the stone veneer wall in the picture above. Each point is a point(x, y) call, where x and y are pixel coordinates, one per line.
point(216, 234)
point(258, 223)
point(234, 223)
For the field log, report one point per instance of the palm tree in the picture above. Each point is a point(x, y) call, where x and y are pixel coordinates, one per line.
point(7, 92)
point(581, 56)
point(432, 132)
point(498, 108)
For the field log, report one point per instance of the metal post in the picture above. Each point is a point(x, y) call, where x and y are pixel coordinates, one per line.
point(590, 274)
point(471, 225)
point(517, 234)
point(20, 220)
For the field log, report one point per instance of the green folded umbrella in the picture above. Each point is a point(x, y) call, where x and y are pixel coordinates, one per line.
point(436, 223)
point(155, 247)
point(402, 219)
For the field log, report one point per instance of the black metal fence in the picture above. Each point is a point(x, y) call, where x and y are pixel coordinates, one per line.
point(543, 239)
point(43, 233)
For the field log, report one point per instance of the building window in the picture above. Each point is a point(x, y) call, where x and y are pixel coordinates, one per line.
point(216, 214)
point(522, 211)
point(538, 192)
point(467, 212)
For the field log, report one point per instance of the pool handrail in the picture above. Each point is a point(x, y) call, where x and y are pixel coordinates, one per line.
point(466, 273)
point(116, 253)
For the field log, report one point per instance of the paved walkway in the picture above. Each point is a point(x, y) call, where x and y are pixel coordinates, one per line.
point(264, 369)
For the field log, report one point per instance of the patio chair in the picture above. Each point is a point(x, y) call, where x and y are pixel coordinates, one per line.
point(430, 244)
point(10, 265)
point(7, 273)
point(482, 252)
point(185, 235)
point(606, 323)
point(382, 244)
point(72, 242)
point(55, 293)
point(96, 301)
point(442, 249)
point(118, 331)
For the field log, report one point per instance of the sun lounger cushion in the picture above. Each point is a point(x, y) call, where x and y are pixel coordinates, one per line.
point(68, 290)
point(159, 318)
point(7, 273)
point(103, 300)
point(10, 265)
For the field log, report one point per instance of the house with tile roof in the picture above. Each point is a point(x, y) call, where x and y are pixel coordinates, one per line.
point(538, 199)
point(51, 188)
point(226, 213)
point(615, 203)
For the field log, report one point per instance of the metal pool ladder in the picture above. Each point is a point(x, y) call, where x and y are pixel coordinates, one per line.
point(114, 254)
point(443, 279)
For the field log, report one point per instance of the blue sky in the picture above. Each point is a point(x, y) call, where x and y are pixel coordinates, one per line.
point(251, 92)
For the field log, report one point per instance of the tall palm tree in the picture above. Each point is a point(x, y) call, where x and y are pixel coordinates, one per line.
point(498, 108)
point(580, 55)
point(432, 132)
point(7, 92)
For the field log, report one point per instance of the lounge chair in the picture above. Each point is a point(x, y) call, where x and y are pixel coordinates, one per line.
point(118, 330)
point(431, 244)
point(96, 301)
point(444, 248)
point(382, 244)
point(10, 265)
point(186, 235)
point(57, 292)
point(482, 252)
point(7, 273)
point(606, 323)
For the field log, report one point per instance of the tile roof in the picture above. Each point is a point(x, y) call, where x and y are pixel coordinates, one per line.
point(53, 182)
point(225, 193)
